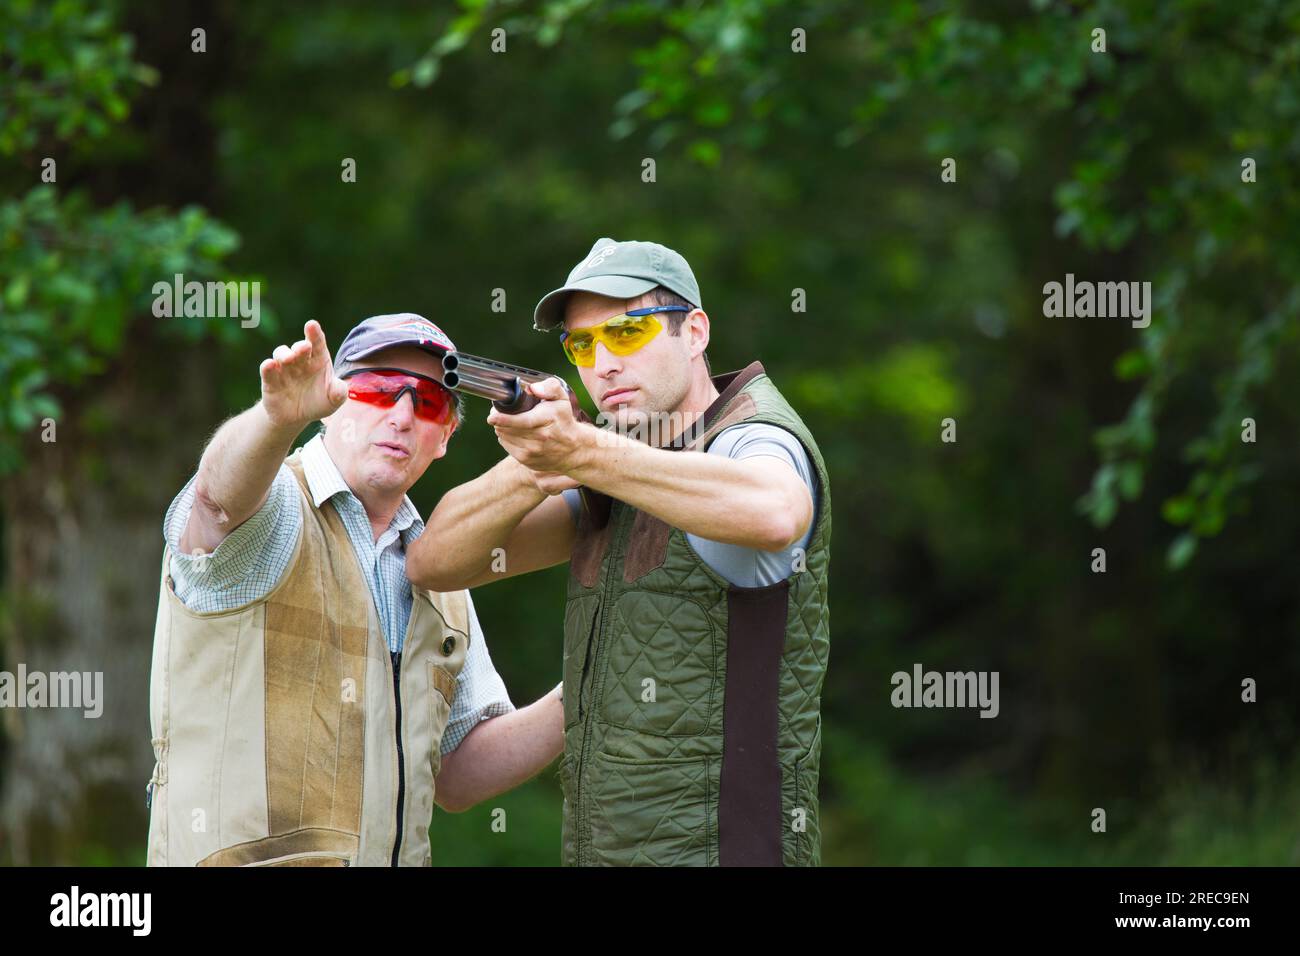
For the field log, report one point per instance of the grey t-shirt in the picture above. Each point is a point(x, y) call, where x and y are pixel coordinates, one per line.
point(749, 567)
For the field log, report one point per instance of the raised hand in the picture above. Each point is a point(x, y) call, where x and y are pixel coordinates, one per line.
point(298, 381)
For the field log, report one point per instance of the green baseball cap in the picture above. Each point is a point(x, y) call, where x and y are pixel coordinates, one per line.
point(621, 270)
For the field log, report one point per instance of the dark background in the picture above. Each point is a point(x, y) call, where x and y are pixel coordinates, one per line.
point(775, 171)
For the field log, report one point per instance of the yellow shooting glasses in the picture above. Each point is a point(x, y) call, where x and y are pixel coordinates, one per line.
point(622, 334)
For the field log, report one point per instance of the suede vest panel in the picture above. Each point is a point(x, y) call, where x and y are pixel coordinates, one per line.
point(692, 706)
point(275, 723)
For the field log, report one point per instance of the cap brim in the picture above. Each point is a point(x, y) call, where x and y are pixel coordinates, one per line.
point(550, 311)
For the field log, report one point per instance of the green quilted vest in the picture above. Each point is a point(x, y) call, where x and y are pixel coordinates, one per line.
point(692, 707)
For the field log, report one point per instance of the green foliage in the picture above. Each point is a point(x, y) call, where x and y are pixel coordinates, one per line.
point(724, 75)
point(877, 816)
point(68, 72)
point(821, 171)
point(75, 279)
point(913, 381)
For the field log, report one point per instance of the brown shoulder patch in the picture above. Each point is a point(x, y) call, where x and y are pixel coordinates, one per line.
point(589, 547)
point(647, 547)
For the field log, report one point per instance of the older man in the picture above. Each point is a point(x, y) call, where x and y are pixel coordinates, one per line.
point(697, 626)
point(304, 696)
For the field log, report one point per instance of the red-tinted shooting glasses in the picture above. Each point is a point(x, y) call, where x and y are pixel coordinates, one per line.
point(385, 386)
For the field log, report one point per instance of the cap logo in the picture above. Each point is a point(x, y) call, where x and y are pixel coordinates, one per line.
point(604, 253)
point(428, 332)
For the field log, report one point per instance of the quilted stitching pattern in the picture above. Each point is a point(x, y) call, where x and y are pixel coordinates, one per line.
point(651, 813)
point(675, 647)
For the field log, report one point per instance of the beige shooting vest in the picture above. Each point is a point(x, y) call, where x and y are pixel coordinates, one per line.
point(275, 725)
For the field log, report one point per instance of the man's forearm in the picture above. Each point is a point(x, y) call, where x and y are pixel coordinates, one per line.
point(756, 503)
point(469, 523)
point(235, 474)
point(501, 753)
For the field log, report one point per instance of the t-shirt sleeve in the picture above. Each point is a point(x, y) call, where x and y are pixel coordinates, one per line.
point(752, 567)
point(573, 498)
point(760, 440)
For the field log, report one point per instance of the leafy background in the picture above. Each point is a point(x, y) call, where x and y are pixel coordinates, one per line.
point(775, 170)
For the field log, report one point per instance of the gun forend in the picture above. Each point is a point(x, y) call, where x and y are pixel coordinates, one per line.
point(499, 382)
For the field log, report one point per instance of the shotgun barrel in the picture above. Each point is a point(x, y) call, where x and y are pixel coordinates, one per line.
point(503, 385)
point(499, 382)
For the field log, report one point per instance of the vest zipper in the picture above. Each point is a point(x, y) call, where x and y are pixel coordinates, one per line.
point(396, 657)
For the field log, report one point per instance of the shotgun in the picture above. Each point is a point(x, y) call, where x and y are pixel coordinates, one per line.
point(499, 382)
point(503, 385)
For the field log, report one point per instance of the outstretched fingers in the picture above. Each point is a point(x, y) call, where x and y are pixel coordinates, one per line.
point(315, 336)
point(270, 372)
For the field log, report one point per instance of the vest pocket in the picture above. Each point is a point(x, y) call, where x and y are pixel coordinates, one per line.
point(649, 812)
point(662, 667)
point(317, 858)
point(307, 846)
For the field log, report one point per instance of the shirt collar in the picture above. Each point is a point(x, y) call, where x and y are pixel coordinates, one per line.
point(324, 481)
